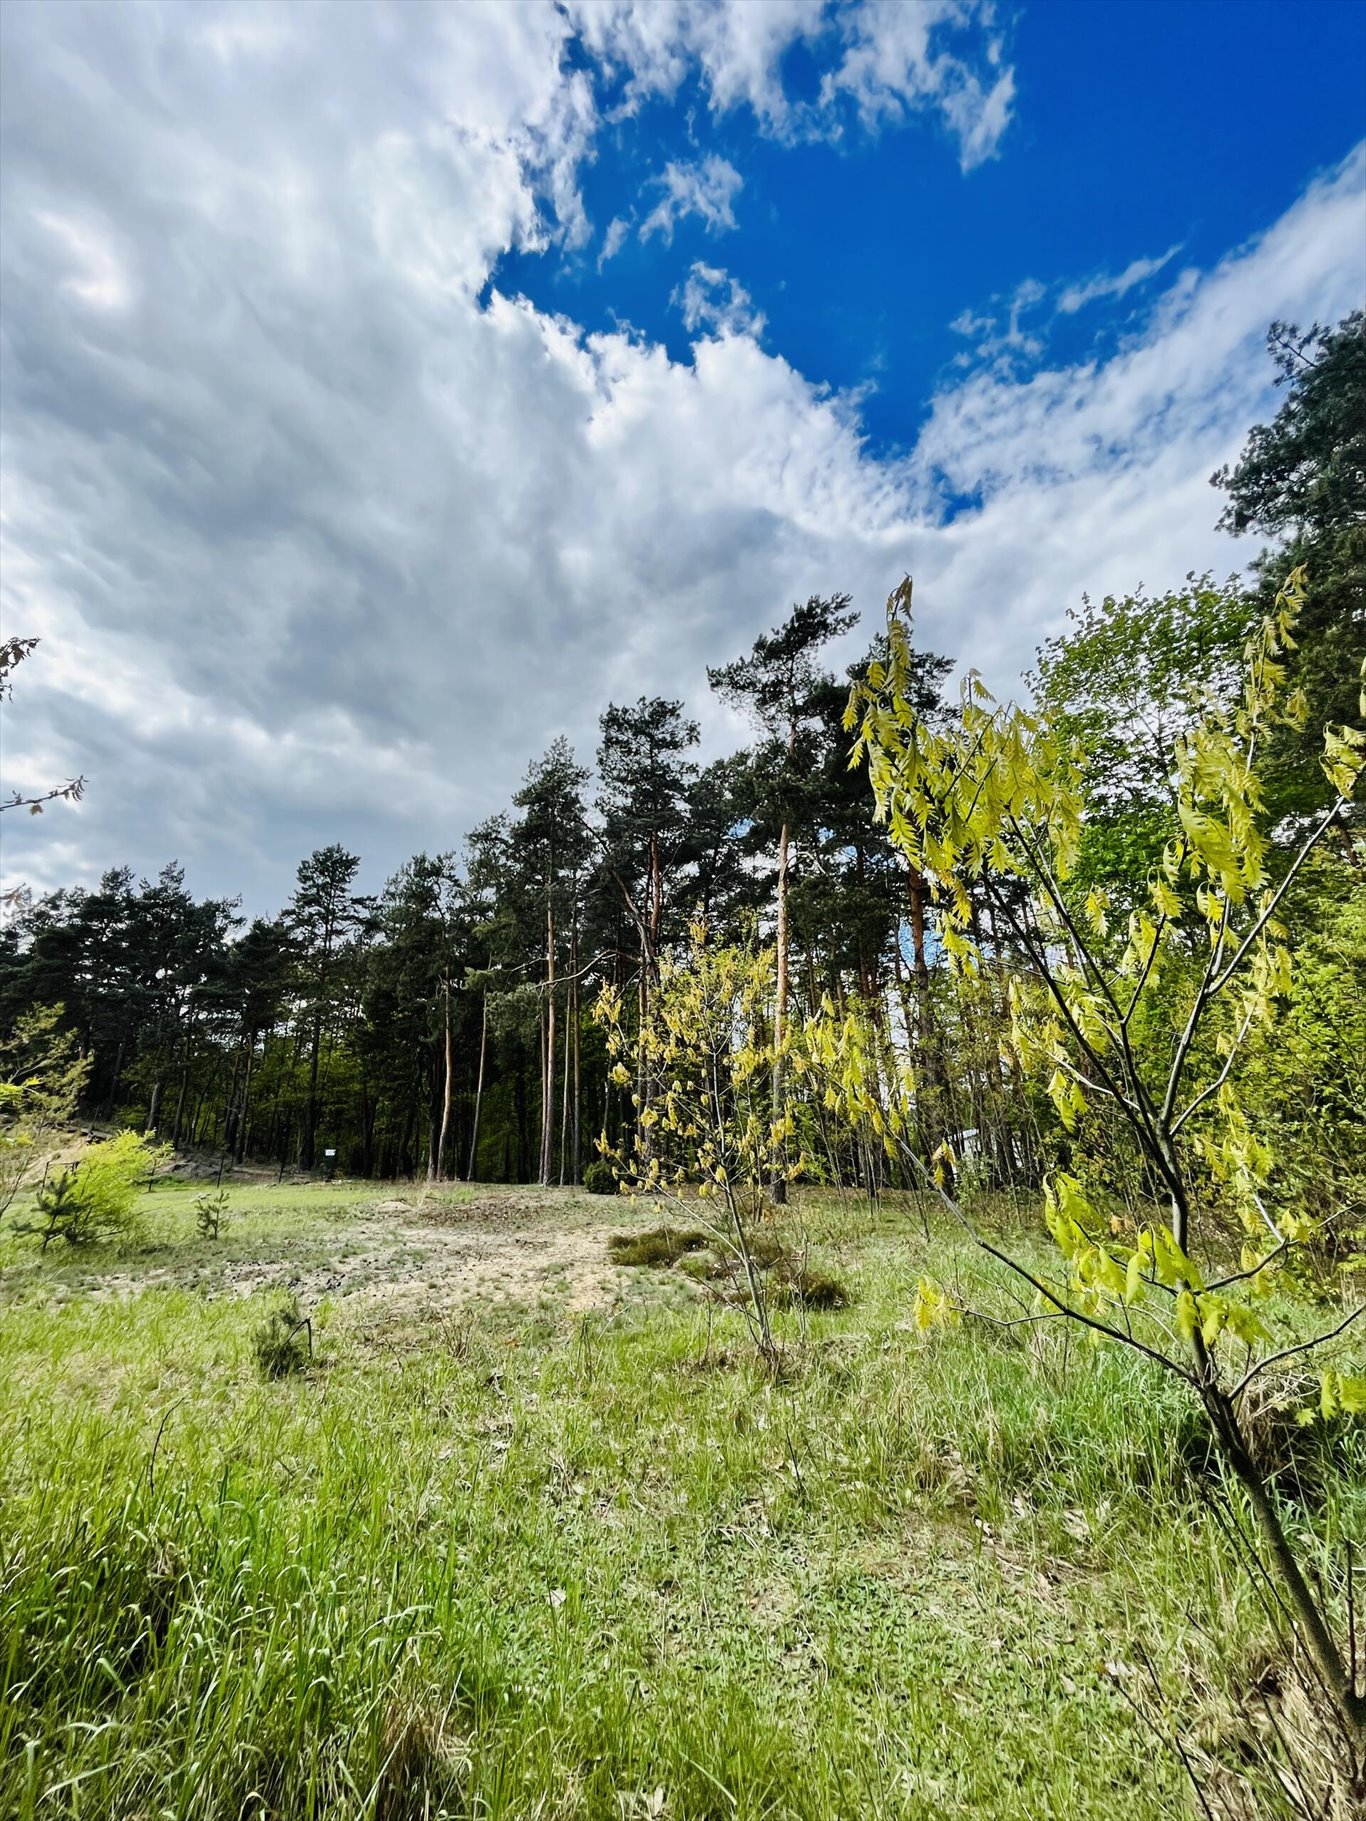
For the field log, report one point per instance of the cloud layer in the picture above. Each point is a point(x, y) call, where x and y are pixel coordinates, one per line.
point(326, 537)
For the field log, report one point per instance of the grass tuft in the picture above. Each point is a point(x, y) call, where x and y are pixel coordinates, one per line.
point(283, 1343)
point(814, 1290)
point(657, 1246)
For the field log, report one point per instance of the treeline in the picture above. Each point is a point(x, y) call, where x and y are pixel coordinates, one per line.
point(443, 1026)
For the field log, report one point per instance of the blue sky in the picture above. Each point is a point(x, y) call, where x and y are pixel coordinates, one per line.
point(1137, 131)
point(386, 388)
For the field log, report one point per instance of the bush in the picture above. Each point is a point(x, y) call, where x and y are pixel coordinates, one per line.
point(61, 1208)
point(209, 1209)
point(41, 1077)
point(96, 1198)
point(600, 1178)
point(283, 1342)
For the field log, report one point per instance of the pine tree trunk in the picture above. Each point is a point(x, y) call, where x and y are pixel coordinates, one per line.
point(479, 1090)
point(240, 1146)
point(564, 1093)
point(548, 1085)
point(440, 1171)
point(778, 1184)
point(310, 1137)
point(180, 1106)
point(575, 1172)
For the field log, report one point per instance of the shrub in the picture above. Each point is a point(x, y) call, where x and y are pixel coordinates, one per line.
point(600, 1178)
point(60, 1207)
point(209, 1209)
point(283, 1342)
point(96, 1198)
point(41, 1077)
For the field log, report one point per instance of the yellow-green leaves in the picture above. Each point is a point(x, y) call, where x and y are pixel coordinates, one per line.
point(1133, 1275)
point(1344, 754)
point(703, 1059)
point(1131, 1004)
point(932, 1308)
point(864, 1077)
point(1340, 1395)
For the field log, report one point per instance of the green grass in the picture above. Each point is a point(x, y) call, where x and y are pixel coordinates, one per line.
point(503, 1561)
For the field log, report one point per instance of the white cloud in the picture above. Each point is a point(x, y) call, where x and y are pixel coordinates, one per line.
point(1096, 476)
point(1000, 333)
point(618, 231)
point(1190, 381)
point(893, 66)
point(325, 541)
point(711, 299)
point(894, 60)
point(997, 339)
point(707, 189)
point(97, 277)
point(1117, 284)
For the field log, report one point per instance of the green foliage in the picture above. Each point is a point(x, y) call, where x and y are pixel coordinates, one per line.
point(702, 1064)
point(1302, 1077)
point(111, 1176)
point(61, 1208)
point(1302, 480)
point(777, 682)
point(647, 777)
point(282, 1344)
point(96, 1199)
point(599, 1178)
point(998, 803)
point(41, 1078)
point(1307, 468)
point(209, 1211)
point(1133, 675)
point(1001, 798)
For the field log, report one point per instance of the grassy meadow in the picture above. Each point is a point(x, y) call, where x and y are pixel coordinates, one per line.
point(532, 1538)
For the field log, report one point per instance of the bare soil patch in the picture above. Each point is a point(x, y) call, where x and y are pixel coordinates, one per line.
point(494, 1249)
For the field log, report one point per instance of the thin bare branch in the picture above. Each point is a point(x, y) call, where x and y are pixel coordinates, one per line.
point(1304, 1346)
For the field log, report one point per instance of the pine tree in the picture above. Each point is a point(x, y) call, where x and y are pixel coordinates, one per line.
point(322, 916)
point(779, 686)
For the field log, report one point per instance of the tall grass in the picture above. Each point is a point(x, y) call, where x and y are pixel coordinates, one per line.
point(553, 1567)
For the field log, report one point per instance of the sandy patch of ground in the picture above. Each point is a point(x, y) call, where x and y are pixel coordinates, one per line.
point(455, 1266)
point(499, 1249)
